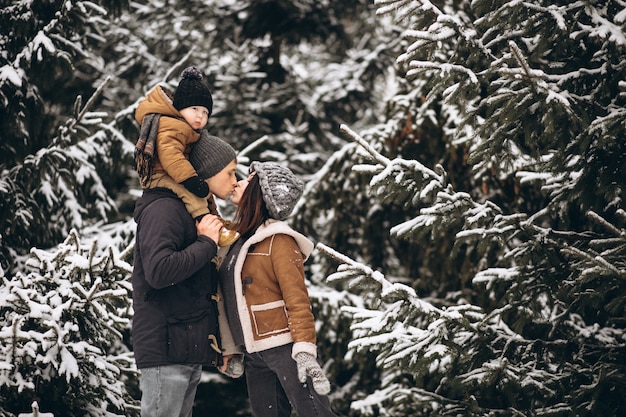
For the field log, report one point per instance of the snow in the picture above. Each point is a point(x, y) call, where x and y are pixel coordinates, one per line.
point(8, 73)
point(36, 412)
point(412, 333)
point(41, 42)
point(604, 28)
point(490, 276)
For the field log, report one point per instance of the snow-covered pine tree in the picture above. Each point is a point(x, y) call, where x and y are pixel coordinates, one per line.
point(525, 313)
point(290, 82)
point(329, 72)
point(58, 159)
point(64, 320)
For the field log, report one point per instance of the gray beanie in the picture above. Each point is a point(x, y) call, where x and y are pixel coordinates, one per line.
point(210, 155)
point(281, 189)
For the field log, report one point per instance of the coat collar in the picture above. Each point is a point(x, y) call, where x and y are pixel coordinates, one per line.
point(274, 227)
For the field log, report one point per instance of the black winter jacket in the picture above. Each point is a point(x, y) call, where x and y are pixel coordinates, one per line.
point(174, 286)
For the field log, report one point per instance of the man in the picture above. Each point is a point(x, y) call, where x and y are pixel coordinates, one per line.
point(175, 328)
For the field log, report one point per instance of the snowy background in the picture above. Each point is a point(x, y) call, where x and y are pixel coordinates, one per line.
point(465, 166)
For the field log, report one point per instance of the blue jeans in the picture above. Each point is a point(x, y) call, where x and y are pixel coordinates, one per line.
point(273, 386)
point(169, 390)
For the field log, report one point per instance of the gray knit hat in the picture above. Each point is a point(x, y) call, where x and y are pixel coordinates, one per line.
point(281, 189)
point(210, 155)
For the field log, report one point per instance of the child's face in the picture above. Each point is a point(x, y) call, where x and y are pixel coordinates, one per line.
point(196, 116)
point(224, 182)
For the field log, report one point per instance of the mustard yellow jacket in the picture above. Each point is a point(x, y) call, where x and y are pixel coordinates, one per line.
point(174, 138)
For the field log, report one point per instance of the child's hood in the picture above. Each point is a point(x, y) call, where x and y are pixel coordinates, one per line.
point(158, 100)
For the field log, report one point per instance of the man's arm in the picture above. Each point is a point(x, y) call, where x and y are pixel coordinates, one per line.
point(167, 261)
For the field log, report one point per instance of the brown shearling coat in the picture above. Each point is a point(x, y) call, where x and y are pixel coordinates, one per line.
point(271, 295)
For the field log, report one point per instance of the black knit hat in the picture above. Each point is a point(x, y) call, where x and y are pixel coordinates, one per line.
point(210, 155)
point(192, 91)
point(281, 189)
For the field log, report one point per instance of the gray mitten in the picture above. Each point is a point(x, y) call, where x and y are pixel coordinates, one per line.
point(307, 365)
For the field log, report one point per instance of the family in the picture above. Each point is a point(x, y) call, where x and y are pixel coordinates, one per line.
point(241, 306)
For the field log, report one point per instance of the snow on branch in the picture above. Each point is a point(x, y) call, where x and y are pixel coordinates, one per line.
point(36, 412)
point(410, 180)
point(351, 270)
point(605, 224)
point(40, 40)
point(358, 139)
point(413, 337)
point(405, 8)
point(80, 116)
point(445, 68)
point(604, 256)
point(424, 38)
point(405, 329)
point(520, 58)
point(538, 78)
point(597, 261)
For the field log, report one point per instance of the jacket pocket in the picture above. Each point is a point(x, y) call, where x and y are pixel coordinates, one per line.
point(192, 338)
point(270, 318)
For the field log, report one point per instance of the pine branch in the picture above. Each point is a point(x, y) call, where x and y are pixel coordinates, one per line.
point(605, 224)
point(404, 9)
point(422, 340)
point(177, 67)
point(357, 266)
point(444, 68)
point(92, 100)
point(38, 41)
point(520, 59)
point(67, 317)
point(252, 146)
point(358, 139)
point(594, 260)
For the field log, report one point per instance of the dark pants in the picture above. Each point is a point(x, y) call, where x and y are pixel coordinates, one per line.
point(273, 386)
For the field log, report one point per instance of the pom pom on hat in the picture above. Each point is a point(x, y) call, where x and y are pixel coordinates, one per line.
point(192, 91)
point(281, 189)
point(210, 155)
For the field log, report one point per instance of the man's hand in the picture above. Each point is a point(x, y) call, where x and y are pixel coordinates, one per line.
point(210, 226)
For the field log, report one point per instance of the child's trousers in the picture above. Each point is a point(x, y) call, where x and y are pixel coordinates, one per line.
point(196, 206)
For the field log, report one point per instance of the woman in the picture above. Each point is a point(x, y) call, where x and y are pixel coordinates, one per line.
point(266, 299)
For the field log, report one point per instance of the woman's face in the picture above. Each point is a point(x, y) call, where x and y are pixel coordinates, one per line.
point(224, 183)
point(241, 187)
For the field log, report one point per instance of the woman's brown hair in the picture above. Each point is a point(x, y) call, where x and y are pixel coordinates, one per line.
point(251, 210)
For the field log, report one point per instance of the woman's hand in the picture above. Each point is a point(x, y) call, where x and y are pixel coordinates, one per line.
point(308, 366)
point(225, 359)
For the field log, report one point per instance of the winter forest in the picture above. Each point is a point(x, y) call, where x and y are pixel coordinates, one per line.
point(465, 163)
